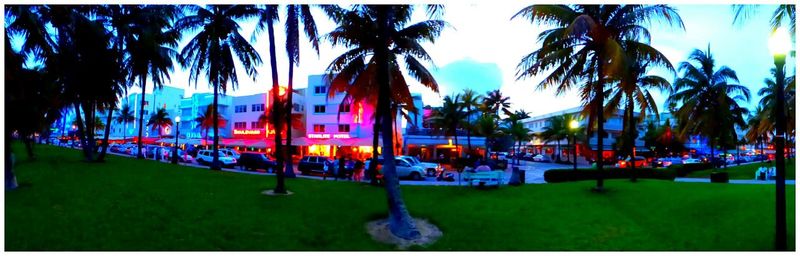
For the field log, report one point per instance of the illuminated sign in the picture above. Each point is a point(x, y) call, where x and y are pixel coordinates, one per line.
point(327, 136)
point(246, 132)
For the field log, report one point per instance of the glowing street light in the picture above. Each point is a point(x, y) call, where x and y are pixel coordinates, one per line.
point(779, 45)
point(573, 126)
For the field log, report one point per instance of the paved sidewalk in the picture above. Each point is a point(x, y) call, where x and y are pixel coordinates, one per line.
point(707, 180)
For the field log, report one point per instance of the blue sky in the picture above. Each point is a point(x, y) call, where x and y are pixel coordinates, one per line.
point(483, 47)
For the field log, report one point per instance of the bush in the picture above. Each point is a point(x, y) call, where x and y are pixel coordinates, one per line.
point(719, 177)
point(681, 170)
point(564, 175)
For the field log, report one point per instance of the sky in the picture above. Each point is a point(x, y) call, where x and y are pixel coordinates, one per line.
point(482, 47)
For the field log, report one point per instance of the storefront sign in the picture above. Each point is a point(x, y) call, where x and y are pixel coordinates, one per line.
point(327, 136)
point(246, 132)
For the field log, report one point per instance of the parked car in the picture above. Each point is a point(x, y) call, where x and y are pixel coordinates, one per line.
point(310, 164)
point(255, 160)
point(541, 158)
point(430, 168)
point(404, 169)
point(333, 168)
point(638, 162)
point(184, 157)
point(230, 152)
point(205, 157)
point(692, 161)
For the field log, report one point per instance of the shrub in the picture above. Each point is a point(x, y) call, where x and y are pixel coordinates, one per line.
point(564, 175)
point(681, 170)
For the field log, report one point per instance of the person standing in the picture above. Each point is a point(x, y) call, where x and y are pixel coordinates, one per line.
point(358, 170)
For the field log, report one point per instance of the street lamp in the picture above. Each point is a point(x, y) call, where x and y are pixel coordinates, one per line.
point(779, 45)
point(573, 125)
point(177, 133)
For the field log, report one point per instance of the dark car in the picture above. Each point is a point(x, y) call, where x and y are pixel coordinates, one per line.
point(333, 167)
point(255, 160)
point(310, 164)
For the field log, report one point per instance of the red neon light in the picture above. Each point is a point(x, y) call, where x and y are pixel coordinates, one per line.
point(246, 132)
point(327, 136)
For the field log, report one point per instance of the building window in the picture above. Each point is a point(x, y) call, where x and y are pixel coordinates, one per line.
point(320, 89)
point(258, 107)
point(319, 128)
point(344, 128)
point(344, 108)
point(240, 108)
point(319, 108)
point(240, 125)
point(254, 125)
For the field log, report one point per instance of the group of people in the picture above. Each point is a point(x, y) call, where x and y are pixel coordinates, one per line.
point(347, 167)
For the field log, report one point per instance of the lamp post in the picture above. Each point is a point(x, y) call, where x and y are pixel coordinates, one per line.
point(573, 125)
point(177, 133)
point(779, 46)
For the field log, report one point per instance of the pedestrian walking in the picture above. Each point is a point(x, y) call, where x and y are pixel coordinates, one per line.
point(358, 170)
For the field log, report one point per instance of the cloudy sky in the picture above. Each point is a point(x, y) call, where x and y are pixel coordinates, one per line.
point(483, 47)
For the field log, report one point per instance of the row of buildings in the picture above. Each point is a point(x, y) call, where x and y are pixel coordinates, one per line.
point(330, 127)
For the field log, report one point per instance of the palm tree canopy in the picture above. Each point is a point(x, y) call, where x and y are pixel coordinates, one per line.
point(160, 119)
point(125, 115)
point(206, 119)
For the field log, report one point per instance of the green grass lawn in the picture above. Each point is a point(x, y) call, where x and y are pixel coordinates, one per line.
point(128, 204)
point(744, 172)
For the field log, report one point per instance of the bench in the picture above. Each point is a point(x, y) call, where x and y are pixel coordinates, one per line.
point(485, 178)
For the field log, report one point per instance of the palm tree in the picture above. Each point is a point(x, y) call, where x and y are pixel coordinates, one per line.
point(295, 14)
point(487, 126)
point(151, 48)
point(758, 128)
point(517, 130)
point(206, 121)
point(767, 102)
point(784, 13)
point(124, 117)
point(267, 17)
point(496, 102)
point(296, 120)
point(557, 129)
point(632, 90)
point(470, 100)
point(586, 48)
point(709, 99)
point(374, 62)
point(159, 120)
point(212, 50)
point(447, 119)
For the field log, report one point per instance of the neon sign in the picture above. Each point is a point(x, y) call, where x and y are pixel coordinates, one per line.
point(246, 132)
point(327, 136)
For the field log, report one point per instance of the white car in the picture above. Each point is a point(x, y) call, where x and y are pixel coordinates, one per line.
point(541, 158)
point(205, 157)
point(430, 168)
point(231, 153)
point(692, 161)
point(404, 169)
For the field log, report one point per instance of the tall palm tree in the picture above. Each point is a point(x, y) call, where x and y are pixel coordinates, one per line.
point(374, 62)
point(557, 129)
point(212, 50)
point(159, 120)
point(709, 99)
point(632, 89)
point(767, 102)
point(124, 116)
point(447, 119)
point(758, 128)
point(296, 14)
point(470, 100)
point(296, 120)
point(267, 17)
point(496, 102)
point(585, 48)
point(487, 126)
point(151, 49)
point(206, 121)
point(517, 130)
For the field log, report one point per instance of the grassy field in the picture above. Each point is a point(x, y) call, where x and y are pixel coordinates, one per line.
point(128, 204)
point(746, 171)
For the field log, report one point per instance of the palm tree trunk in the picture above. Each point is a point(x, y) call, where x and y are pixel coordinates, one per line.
point(81, 132)
point(598, 94)
point(11, 179)
point(139, 154)
point(400, 222)
point(469, 140)
point(458, 152)
point(215, 158)
point(713, 165)
point(280, 186)
point(289, 173)
point(373, 165)
point(102, 156)
point(631, 125)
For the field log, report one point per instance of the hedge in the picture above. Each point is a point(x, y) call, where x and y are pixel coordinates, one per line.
point(681, 170)
point(565, 175)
